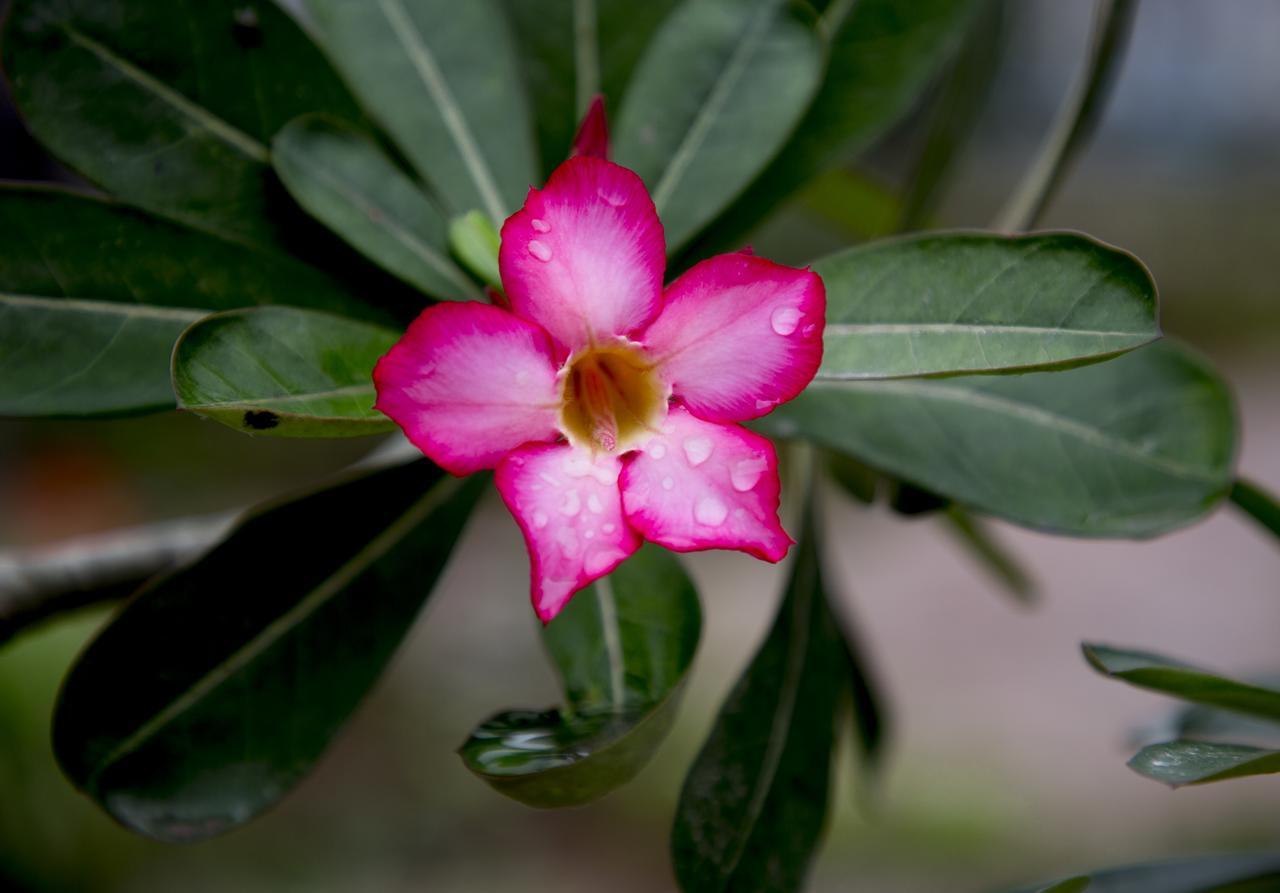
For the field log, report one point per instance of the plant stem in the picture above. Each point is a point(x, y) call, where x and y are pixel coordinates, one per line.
point(1258, 504)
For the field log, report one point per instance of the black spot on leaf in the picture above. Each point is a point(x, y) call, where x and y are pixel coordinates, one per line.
point(260, 419)
point(245, 28)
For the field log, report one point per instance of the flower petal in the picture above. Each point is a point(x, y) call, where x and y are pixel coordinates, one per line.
point(585, 256)
point(702, 485)
point(568, 507)
point(593, 133)
point(468, 383)
point(738, 335)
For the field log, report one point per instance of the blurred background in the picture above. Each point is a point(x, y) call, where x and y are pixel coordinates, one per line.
point(1007, 759)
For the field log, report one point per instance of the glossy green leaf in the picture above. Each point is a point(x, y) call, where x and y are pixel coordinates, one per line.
point(882, 55)
point(344, 180)
point(215, 689)
point(1179, 763)
point(1236, 873)
point(979, 541)
point(169, 106)
point(755, 801)
point(1157, 673)
point(442, 79)
point(1135, 446)
point(1258, 504)
point(476, 242)
point(622, 648)
point(975, 302)
point(94, 294)
point(283, 372)
point(715, 96)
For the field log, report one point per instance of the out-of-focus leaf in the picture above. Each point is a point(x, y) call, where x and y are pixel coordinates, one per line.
point(858, 480)
point(1258, 504)
point(976, 302)
point(1239, 873)
point(94, 294)
point(911, 501)
point(870, 716)
point(715, 96)
point(215, 689)
point(755, 801)
point(990, 553)
point(283, 372)
point(344, 180)
point(441, 78)
point(475, 242)
point(169, 106)
point(882, 55)
point(855, 203)
point(1134, 447)
point(1070, 885)
point(1178, 763)
point(623, 649)
point(1157, 673)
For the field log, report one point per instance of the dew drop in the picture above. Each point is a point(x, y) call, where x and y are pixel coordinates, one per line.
point(598, 560)
point(571, 504)
point(762, 405)
point(710, 511)
point(594, 503)
point(616, 199)
point(609, 528)
point(745, 473)
point(568, 542)
point(540, 226)
point(656, 450)
point(668, 483)
point(784, 320)
point(542, 252)
point(808, 330)
point(590, 534)
point(539, 520)
point(697, 450)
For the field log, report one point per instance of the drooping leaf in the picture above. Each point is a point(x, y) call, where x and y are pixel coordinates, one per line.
point(976, 302)
point(870, 716)
point(1179, 763)
point(1258, 504)
point(283, 372)
point(715, 96)
point(1237, 873)
point(991, 553)
point(215, 689)
point(755, 801)
point(1156, 673)
point(441, 78)
point(169, 106)
point(1135, 446)
point(344, 180)
point(623, 649)
point(94, 294)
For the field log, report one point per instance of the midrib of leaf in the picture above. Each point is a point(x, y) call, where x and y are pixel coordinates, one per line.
point(1079, 430)
point(971, 329)
point(612, 642)
point(424, 63)
point(350, 390)
point(285, 623)
point(105, 308)
point(716, 99)
point(586, 53)
point(780, 728)
point(224, 131)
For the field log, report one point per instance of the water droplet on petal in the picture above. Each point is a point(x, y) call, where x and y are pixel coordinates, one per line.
point(809, 330)
point(571, 504)
point(590, 534)
point(609, 528)
point(656, 449)
point(745, 473)
point(568, 542)
point(710, 511)
point(594, 503)
point(598, 560)
point(762, 405)
point(539, 520)
point(697, 450)
point(668, 483)
point(540, 226)
point(542, 252)
point(617, 199)
point(784, 320)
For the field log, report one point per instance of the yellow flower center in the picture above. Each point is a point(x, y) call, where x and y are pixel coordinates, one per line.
point(611, 398)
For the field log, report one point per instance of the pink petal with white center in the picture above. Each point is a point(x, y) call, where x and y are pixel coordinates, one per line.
point(702, 485)
point(468, 383)
point(570, 512)
point(585, 256)
point(738, 335)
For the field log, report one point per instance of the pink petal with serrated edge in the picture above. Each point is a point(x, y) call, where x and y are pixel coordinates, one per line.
point(738, 335)
point(585, 256)
point(570, 512)
point(703, 485)
point(468, 383)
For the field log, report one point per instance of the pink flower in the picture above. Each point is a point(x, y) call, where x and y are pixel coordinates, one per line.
point(606, 404)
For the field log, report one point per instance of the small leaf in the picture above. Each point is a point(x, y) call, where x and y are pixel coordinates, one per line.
point(1201, 874)
point(441, 78)
point(1156, 673)
point(1258, 504)
point(623, 649)
point(715, 96)
point(282, 372)
point(975, 302)
point(755, 801)
point(1135, 446)
point(475, 242)
point(1178, 763)
point(216, 688)
point(991, 553)
point(343, 180)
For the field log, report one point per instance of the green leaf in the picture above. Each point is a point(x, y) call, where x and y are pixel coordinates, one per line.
point(94, 294)
point(344, 180)
point(1258, 504)
point(979, 541)
point(976, 302)
point(476, 242)
point(1157, 673)
point(1202, 874)
point(1135, 446)
point(870, 717)
point(1071, 885)
point(882, 54)
point(755, 801)
point(715, 96)
point(169, 106)
point(282, 372)
point(623, 648)
point(215, 690)
point(856, 204)
point(854, 477)
point(1179, 763)
point(441, 78)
